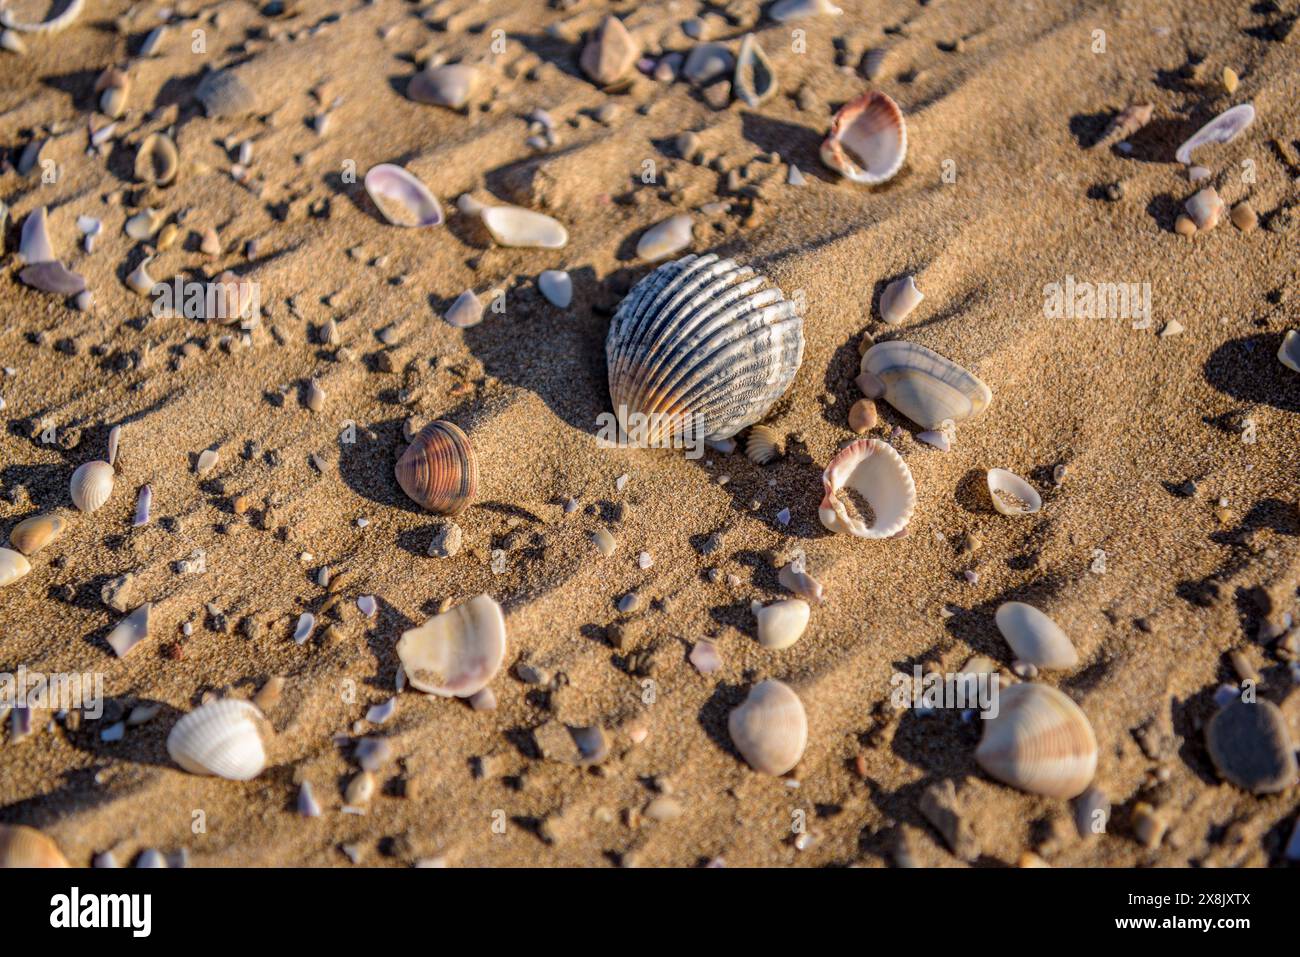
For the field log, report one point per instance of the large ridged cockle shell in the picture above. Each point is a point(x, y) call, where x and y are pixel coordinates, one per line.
point(877, 473)
point(867, 141)
point(401, 197)
point(439, 469)
point(699, 349)
point(923, 385)
point(22, 846)
point(1224, 128)
point(457, 653)
point(1040, 741)
point(769, 728)
point(1034, 637)
point(220, 738)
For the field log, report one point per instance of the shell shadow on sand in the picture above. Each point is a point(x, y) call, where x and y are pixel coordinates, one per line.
point(1247, 369)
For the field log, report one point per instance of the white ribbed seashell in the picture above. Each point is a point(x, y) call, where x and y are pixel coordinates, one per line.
point(92, 484)
point(514, 226)
point(867, 142)
point(764, 444)
point(769, 728)
point(876, 472)
point(13, 566)
point(923, 385)
point(898, 300)
point(781, 623)
point(1222, 129)
point(1034, 637)
point(34, 244)
point(1288, 353)
point(401, 197)
point(1011, 494)
point(220, 738)
point(458, 652)
point(1040, 741)
point(699, 348)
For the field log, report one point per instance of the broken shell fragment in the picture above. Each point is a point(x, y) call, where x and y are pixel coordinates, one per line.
point(220, 738)
point(781, 623)
point(783, 11)
point(754, 81)
point(466, 311)
point(923, 385)
point(24, 847)
point(1288, 353)
point(157, 161)
point(578, 746)
point(899, 299)
point(609, 52)
point(450, 85)
point(132, 630)
point(139, 281)
point(878, 474)
point(1127, 122)
point(13, 566)
point(1205, 208)
point(401, 198)
point(1034, 637)
point(112, 89)
point(1039, 741)
point(32, 534)
point(699, 349)
point(439, 469)
point(34, 241)
point(457, 653)
point(1011, 494)
point(557, 287)
point(769, 728)
point(1224, 128)
point(867, 141)
point(92, 484)
point(513, 226)
point(54, 278)
point(796, 578)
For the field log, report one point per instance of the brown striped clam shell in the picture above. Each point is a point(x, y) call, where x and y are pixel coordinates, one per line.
point(439, 470)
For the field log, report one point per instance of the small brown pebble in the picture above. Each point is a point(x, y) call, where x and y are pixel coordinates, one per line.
point(1244, 218)
point(240, 504)
point(862, 415)
point(1184, 226)
point(269, 694)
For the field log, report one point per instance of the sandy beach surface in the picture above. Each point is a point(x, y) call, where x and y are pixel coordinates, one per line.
point(1167, 543)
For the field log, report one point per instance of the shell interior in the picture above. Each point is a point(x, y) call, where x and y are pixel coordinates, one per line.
point(876, 471)
point(923, 385)
point(867, 141)
point(1011, 494)
point(457, 653)
point(1222, 129)
point(401, 197)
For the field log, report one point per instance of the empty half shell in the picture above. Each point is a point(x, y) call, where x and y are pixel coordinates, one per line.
point(513, 226)
point(1011, 494)
point(439, 469)
point(457, 653)
point(769, 728)
point(13, 566)
point(1040, 741)
point(220, 738)
point(32, 534)
point(883, 484)
point(401, 197)
point(700, 348)
point(755, 79)
point(1034, 637)
point(923, 385)
point(1288, 353)
point(867, 142)
point(1222, 129)
point(157, 160)
point(27, 847)
point(781, 623)
point(92, 484)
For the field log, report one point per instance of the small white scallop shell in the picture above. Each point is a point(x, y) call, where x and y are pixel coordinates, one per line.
point(867, 142)
point(876, 472)
point(401, 197)
point(923, 385)
point(458, 652)
point(220, 738)
point(1011, 494)
point(1288, 353)
point(1034, 637)
point(515, 226)
point(781, 623)
point(899, 299)
point(1040, 741)
point(13, 566)
point(1222, 129)
point(92, 484)
point(764, 444)
point(769, 728)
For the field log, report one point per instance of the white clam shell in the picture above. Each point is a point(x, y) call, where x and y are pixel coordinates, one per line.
point(557, 287)
point(698, 347)
point(402, 198)
point(1288, 353)
point(1011, 494)
point(13, 566)
point(92, 484)
point(899, 299)
point(220, 738)
point(1040, 741)
point(923, 385)
point(1222, 129)
point(867, 142)
point(514, 226)
point(769, 728)
point(781, 623)
point(878, 473)
point(1034, 637)
point(458, 652)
